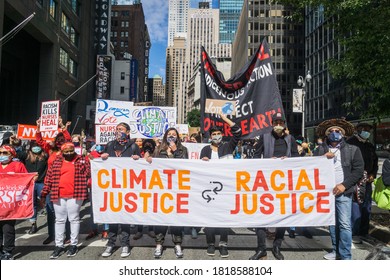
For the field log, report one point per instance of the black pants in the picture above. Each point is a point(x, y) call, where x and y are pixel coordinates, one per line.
point(261, 236)
point(7, 235)
point(211, 232)
point(113, 234)
point(177, 234)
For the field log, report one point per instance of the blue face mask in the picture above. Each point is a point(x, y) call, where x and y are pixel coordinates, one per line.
point(36, 149)
point(5, 159)
point(365, 134)
point(99, 149)
point(335, 137)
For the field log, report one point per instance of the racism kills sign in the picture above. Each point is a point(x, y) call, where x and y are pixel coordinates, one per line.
point(254, 90)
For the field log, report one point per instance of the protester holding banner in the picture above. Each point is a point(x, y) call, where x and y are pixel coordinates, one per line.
point(7, 227)
point(218, 150)
point(122, 146)
point(36, 161)
point(170, 147)
point(349, 168)
point(96, 152)
point(274, 144)
point(66, 181)
point(147, 149)
point(361, 210)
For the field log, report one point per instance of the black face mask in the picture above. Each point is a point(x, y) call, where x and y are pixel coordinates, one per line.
point(69, 157)
point(149, 149)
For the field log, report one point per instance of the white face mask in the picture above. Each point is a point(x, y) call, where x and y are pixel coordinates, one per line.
point(216, 139)
point(364, 134)
point(278, 129)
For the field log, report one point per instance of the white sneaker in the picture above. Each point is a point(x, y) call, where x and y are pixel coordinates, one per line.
point(330, 256)
point(108, 251)
point(158, 251)
point(178, 252)
point(125, 252)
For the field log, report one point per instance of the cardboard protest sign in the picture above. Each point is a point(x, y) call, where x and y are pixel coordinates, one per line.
point(49, 115)
point(215, 106)
point(112, 111)
point(151, 121)
point(105, 133)
point(215, 193)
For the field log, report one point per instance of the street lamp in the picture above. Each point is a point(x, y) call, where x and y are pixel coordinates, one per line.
point(302, 83)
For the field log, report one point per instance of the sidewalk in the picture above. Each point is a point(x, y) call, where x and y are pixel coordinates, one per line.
point(380, 230)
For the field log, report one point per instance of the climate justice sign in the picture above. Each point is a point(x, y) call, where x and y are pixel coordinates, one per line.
point(218, 193)
point(254, 90)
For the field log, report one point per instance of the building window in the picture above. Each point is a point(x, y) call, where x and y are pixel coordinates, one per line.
point(74, 36)
point(122, 75)
point(73, 68)
point(76, 7)
point(64, 58)
point(53, 9)
point(65, 24)
point(122, 90)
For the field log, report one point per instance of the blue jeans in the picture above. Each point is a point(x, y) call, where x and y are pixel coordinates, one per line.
point(49, 209)
point(341, 233)
point(361, 214)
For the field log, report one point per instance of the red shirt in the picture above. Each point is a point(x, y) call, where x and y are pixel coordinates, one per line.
point(66, 185)
point(14, 167)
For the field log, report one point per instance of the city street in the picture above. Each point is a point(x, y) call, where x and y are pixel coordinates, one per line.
point(242, 243)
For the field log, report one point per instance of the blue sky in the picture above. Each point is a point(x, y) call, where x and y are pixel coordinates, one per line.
point(156, 15)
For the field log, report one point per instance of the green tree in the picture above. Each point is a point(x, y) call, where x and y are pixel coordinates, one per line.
point(362, 27)
point(193, 118)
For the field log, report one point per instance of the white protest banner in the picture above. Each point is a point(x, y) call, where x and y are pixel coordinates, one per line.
point(49, 115)
point(112, 111)
point(194, 149)
point(297, 102)
point(215, 193)
point(151, 121)
point(105, 133)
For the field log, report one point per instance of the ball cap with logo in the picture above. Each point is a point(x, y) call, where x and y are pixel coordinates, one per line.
point(277, 117)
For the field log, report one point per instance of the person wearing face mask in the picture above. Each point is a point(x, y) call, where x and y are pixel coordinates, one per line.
point(53, 149)
point(36, 161)
point(66, 181)
point(349, 167)
point(7, 227)
point(361, 213)
point(147, 149)
point(170, 147)
point(122, 146)
point(218, 150)
point(277, 143)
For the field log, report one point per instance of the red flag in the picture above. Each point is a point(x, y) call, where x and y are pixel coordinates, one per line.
point(16, 196)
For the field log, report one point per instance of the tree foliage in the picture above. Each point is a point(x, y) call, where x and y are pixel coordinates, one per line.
point(362, 27)
point(193, 118)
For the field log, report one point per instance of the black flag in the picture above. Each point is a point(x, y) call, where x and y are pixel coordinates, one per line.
point(254, 89)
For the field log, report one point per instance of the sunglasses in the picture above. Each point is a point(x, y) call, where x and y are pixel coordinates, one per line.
point(5, 153)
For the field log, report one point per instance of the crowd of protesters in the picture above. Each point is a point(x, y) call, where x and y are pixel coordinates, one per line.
point(63, 183)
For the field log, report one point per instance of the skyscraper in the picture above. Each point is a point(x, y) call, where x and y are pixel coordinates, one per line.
point(177, 19)
point(270, 20)
point(129, 34)
point(229, 16)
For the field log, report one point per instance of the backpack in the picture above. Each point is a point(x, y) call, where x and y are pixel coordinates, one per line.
point(381, 194)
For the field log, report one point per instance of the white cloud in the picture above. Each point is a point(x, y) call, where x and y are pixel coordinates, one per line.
point(156, 16)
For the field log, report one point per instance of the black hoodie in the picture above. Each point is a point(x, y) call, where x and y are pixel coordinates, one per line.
point(386, 172)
